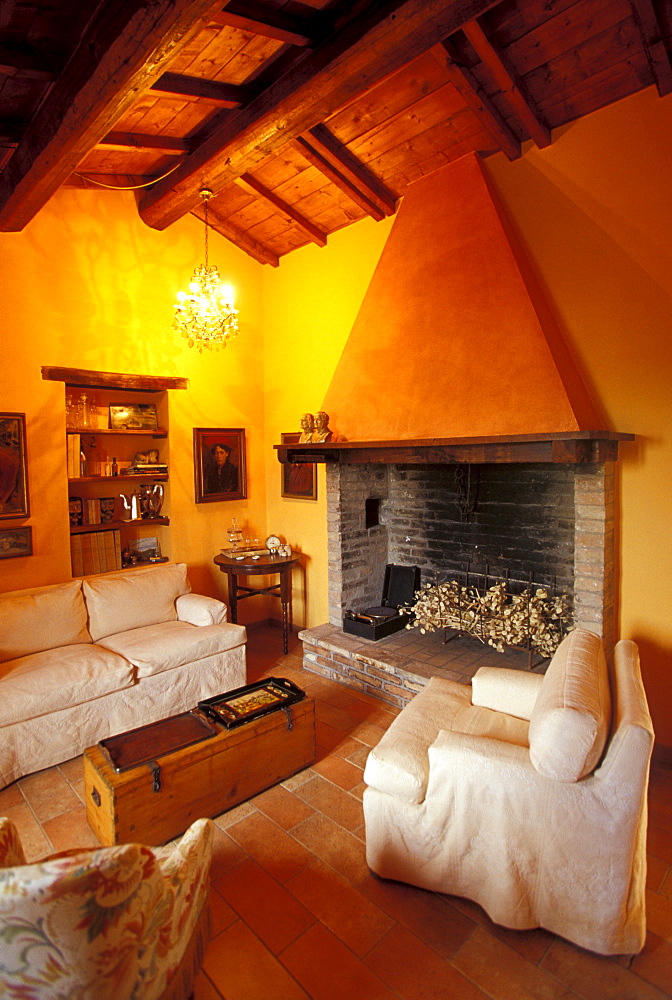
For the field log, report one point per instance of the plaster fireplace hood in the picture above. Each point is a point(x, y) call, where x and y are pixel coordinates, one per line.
point(454, 355)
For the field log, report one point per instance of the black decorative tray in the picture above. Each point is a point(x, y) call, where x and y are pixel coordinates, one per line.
point(244, 704)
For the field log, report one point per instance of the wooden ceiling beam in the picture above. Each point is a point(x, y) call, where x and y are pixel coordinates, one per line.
point(375, 42)
point(513, 90)
point(125, 48)
point(478, 101)
point(29, 64)
point(222, 95)
point(308, 150)
point(656, 51)
point(242, 240)
point(351, 168)
point(254, 187)
point(260, 20)
point(137, 142)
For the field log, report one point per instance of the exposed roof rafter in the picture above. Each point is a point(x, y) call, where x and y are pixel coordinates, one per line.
point(236, 236)
point(222, 95)
point(474, 96)
point(254, 187)
point(260, 20)
point(512, 87)
point(656, 51)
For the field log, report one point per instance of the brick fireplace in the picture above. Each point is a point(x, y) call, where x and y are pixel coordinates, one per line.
point(537, 507)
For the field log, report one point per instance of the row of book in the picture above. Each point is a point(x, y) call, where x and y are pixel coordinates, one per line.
point(95, 552)
point(91, 510)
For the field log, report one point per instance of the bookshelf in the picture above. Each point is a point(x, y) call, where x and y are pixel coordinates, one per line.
point(104, 536)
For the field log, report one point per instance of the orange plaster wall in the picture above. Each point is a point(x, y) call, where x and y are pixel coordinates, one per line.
point(88, 285)
point(449, 327)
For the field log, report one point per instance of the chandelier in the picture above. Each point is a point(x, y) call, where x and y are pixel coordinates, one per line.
point(205, 315)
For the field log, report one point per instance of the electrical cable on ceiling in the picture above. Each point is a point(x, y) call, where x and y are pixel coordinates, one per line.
point(127, 187)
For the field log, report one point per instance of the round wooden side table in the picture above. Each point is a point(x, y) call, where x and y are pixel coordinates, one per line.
point(265, 565)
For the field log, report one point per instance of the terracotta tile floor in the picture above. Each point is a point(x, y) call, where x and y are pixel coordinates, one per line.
point(297, 914)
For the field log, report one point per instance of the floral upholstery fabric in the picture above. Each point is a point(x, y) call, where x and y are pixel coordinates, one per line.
point(109, 923)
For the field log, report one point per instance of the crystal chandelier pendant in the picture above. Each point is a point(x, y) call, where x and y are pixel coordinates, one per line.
point(205, 315)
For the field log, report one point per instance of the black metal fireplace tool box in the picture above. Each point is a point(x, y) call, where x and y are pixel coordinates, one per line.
point(399, 587)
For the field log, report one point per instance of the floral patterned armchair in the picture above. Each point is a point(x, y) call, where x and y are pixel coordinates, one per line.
point(111, 923)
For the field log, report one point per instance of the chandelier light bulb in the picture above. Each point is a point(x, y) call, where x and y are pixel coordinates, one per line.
point(205, 315)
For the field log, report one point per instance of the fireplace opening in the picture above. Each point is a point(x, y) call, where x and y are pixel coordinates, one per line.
point(551, 522)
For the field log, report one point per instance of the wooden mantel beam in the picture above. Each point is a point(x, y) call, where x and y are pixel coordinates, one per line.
point(370, 45)
point(512, 87)
point(124, 50)
point(278, 205)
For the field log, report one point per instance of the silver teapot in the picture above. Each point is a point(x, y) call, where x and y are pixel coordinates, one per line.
point(132, 504)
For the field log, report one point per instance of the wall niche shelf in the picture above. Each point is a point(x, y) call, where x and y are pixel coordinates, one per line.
point(121, 542)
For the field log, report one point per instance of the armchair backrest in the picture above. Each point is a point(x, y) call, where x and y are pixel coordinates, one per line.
point(111, 923)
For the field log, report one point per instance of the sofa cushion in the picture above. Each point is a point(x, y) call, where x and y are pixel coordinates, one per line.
point(399, 765)
point(118, 602)
point(155, 648)
point(571, 718)
point(45, 682)
point(42, 618)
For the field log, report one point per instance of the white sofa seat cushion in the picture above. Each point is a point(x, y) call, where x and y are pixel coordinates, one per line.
point(118, 602)
point(172, 644)
point(571, 718)
point(54, 679)
point(399, 765)
point(42, 618)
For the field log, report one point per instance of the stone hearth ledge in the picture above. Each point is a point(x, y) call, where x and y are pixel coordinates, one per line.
point(395, 668)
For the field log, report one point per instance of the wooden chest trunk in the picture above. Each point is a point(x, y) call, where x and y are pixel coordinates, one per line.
point(204, 779)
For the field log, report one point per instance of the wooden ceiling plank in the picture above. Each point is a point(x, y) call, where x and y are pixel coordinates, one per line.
point(123, 51)
point(654, 46)
point(374, 44)
point(249, 183)
point(307, 149)
point(511, 86)
point(475, 97)
point(223, 95)
point(347, 164)
point(260, 20)
point(244, 242)
point(172, 145)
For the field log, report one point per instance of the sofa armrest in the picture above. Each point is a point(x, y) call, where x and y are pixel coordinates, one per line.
point(200, 610)
point(505, 690)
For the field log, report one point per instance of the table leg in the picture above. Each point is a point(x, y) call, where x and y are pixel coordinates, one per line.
point(233, 597)
point(286, 602)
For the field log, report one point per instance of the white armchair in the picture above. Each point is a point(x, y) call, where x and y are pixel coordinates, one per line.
point(114, 923)
point(525, 793)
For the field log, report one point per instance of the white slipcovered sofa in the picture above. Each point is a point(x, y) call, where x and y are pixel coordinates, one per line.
point(86, 659)
point(525, 793)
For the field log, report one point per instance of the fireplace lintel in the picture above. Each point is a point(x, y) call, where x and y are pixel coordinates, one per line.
point(562, 446)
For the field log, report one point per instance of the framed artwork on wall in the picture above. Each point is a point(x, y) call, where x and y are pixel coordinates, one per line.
point(15, 542)
point(219, 464)
point(13, 469)
point(298, 479)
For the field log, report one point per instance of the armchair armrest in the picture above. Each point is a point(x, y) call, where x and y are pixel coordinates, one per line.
point(505, 690)
point(200, 610)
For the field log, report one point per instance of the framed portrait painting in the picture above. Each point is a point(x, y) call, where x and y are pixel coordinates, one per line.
point(219, 464)
point(13, 472)
point(299, 479)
